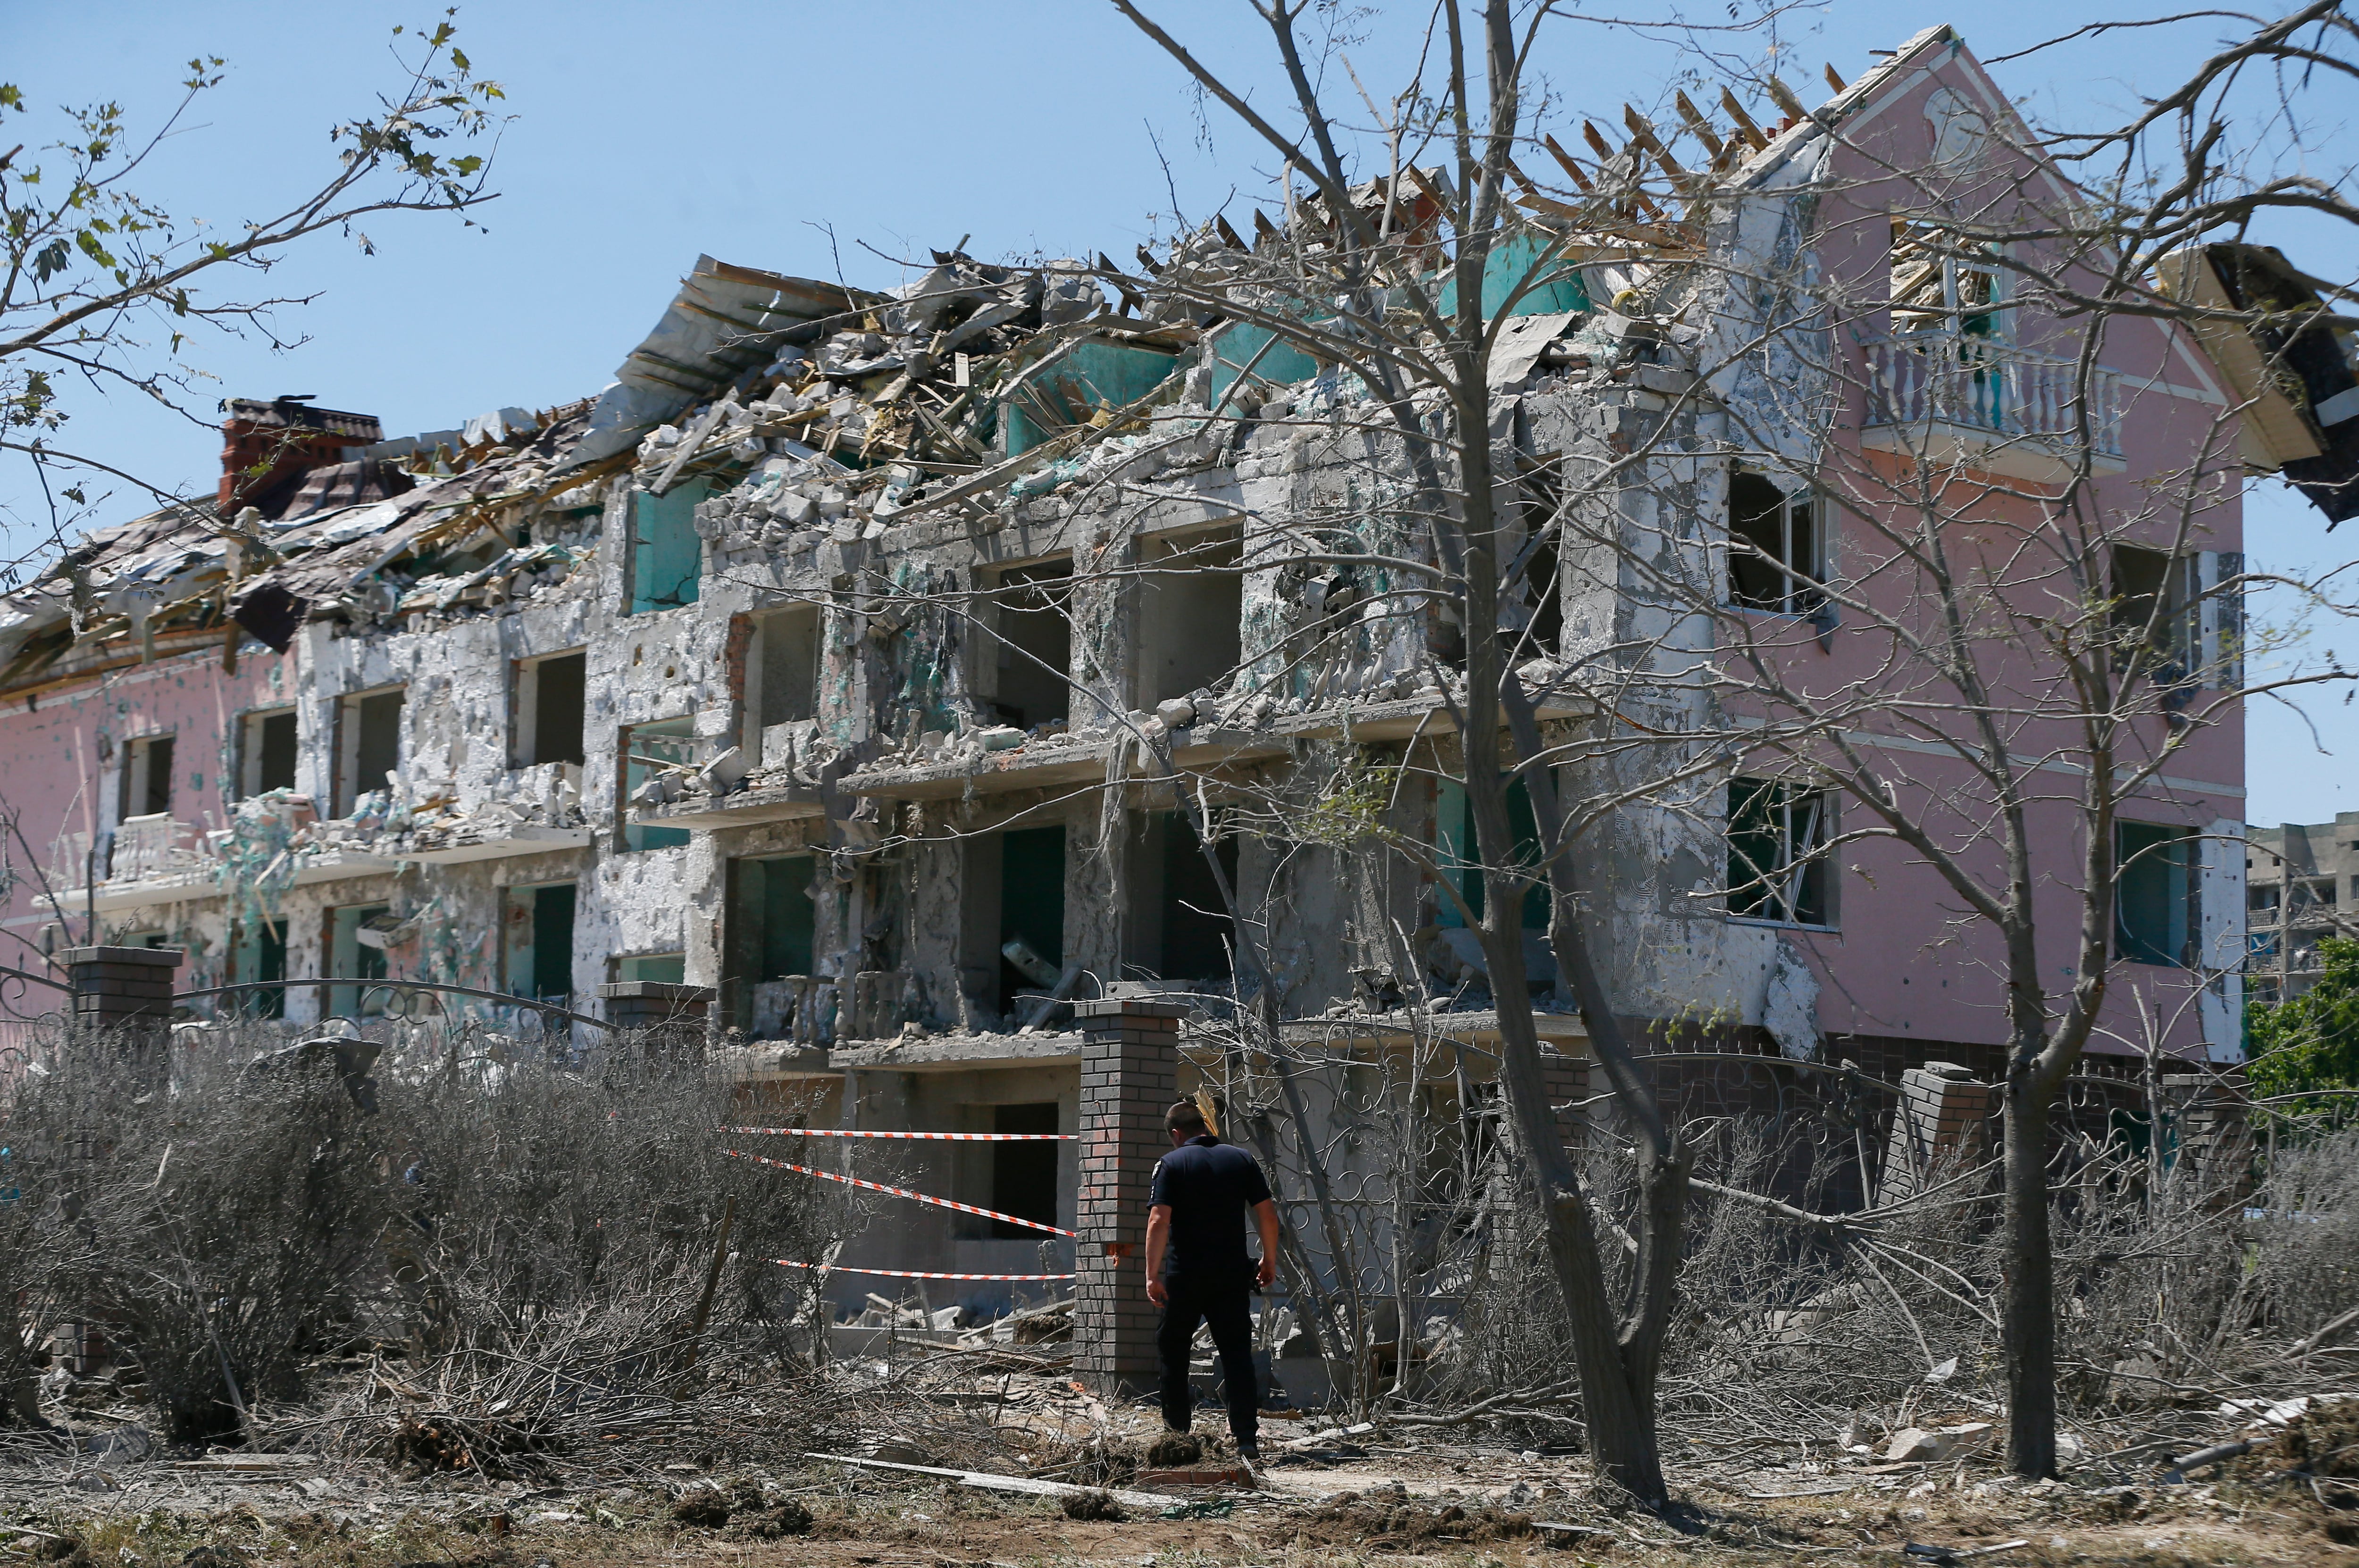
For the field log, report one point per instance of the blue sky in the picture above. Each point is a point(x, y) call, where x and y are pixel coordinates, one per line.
point(794, 135)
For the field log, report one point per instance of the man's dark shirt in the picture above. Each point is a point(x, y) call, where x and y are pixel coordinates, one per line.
point(1210, 1186)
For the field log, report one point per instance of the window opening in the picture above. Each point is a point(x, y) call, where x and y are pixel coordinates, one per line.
point(1942, 281)
point(268, 761)
point(1458, 849)
point(652, 969)
point(781, 674)
point(553, 708)
point(146, 789)
point(1023, 1175)
point(352, 957)
point(1192, 613)
point(1180, 928)
point(1773, 547)
point(1031, 648)
point(1031, 911)
point(648, 750)
point(2155, 916)
point(666, 557)
point(372, 746)
point(539, 958)
point(259, 959)
point(2154, 613)
point(1777, 870)
point(772, 935)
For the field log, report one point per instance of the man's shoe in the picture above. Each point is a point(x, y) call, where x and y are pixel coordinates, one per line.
point(1249, 1452)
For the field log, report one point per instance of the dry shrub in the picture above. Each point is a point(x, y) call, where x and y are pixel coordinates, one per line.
point(217, 1219)
point(229, 1211)
point(571, 1218)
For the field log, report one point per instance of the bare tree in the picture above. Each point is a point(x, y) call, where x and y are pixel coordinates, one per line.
point(2030, 624)
point(103, 287)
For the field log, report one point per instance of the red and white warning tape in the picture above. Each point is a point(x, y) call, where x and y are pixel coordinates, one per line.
point(948, 1137)
point(908, 1273)
point(897, 1192)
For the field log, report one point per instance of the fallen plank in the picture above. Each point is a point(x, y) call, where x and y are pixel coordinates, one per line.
point(986, 1481)
point(247, 1464)
point(1189, 1479)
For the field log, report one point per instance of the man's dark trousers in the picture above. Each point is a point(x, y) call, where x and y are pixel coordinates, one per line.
point(1222, 1306)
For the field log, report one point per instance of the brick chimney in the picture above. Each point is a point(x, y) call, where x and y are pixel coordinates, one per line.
point(267, 448)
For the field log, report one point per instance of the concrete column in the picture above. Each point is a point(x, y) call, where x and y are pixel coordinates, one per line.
point(1130, 1075)
point(123, 989)
point(1941, 1119)
point(674, 1014)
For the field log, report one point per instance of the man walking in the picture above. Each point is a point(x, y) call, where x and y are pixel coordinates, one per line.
point(1197, 1270)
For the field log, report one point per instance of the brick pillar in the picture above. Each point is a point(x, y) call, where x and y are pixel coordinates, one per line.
point(1941, 1117)
point(1566, 1079)
point(1130, 1075)
point(674, 1016)
point(124, 988)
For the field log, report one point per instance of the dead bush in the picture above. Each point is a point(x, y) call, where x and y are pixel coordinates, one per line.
point(211, 1211)
point(225, 1213)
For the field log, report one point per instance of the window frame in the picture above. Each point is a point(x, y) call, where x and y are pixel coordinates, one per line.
point(523, 709)
point(632, 837)
point(1803, 594)
point(1816, 884)
point(348, 741)
point(250, 749)
point(1950, 317)
point(2131, 947)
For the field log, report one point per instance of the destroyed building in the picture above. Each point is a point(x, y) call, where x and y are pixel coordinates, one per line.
point(2303, 885)
point(810, 679)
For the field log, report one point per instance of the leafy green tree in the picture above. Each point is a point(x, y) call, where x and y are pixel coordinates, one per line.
point(102, 289)
point(2307, 1047)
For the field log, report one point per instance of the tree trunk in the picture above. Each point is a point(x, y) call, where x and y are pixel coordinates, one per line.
point(2028, 1306)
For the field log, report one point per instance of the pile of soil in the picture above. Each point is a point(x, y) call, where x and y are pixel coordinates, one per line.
point(1383, 1522)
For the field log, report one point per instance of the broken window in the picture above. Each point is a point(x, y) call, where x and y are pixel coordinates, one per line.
point(1532, 608)
point(369, 745)
point(1776, 836)
point(771, 935)
point(667, 555)
point(266, 751)
point(551, 709)
point(1178, 927)
point(781, 674)
point(648, 750)
point(2155, 919)
point(1773, 547)
point(146, 785)
point(1024, 1176)
point(356, 952)
point(537, 959)
point(258, 957)
point(1246, 350)
point(1029, 657)
point(2155, 601)
point(1071, 391)
point(1191, 614)
point(1458, 847)
point(1016, 904)
point(1943, 281)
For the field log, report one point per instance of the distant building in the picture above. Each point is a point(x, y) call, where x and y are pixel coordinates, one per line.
point(2301, 887)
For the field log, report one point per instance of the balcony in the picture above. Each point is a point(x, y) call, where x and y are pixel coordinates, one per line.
point(1053, 762)
point(153, 861)
point(538, 809)
point(1974, 403)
